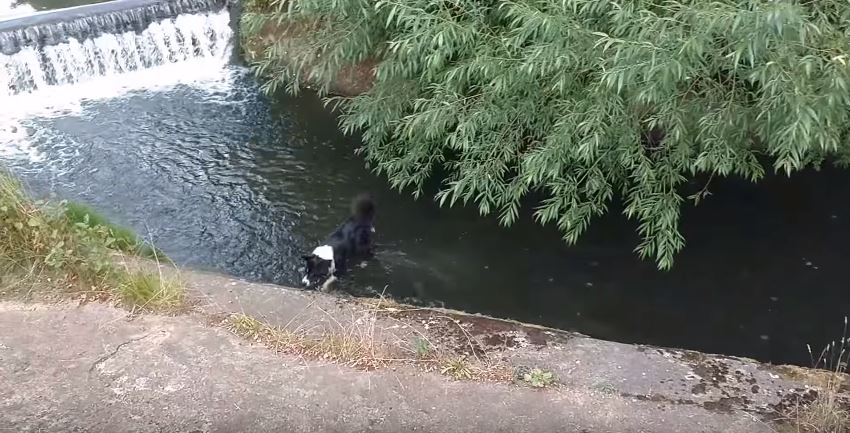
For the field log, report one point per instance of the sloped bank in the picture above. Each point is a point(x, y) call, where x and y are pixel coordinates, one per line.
point(650, 378)
point(351, 81)
point(374, 365)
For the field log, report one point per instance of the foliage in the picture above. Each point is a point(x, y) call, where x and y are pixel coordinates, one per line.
point(422, 347)
point(457, 368)
point(34, 236)
point(62, 246)
point(585, 102)
point(124, 239)
point(539, 378)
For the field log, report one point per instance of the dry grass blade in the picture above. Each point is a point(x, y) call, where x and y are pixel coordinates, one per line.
point(150, 291)
point(351, 347)
point(828, 412)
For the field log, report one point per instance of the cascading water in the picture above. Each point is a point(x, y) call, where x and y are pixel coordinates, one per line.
point(70, 52)
point(8, 9)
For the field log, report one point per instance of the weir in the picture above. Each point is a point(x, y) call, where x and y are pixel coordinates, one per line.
point(77, 44)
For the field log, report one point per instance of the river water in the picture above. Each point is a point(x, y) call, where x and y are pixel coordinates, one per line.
point(220, 177)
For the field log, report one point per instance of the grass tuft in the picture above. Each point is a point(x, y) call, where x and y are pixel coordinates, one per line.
point(149, 291)
point(457, 368)
point(350, 348)
point(828, 412)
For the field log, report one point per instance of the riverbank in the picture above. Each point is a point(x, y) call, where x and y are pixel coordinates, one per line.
point(259, 357)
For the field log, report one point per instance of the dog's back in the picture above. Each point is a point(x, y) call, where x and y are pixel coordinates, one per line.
point(354, 236)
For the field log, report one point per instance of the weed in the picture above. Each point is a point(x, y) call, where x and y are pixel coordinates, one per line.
point(351, 348)
point(605, 387)
point(35, 239)
point(246, 326)
point(67, 247)
point(122, 239)
point(828, 412)
point(421, 347)
point(458, 368)
point(539, 378)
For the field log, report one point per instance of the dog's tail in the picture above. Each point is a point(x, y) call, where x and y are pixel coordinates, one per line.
point(363, 208)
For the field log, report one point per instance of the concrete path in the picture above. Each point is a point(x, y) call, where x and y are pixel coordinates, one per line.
point(67, 368)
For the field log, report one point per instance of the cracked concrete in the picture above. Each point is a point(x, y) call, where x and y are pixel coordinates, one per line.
point(94, 368)
point(674, 377)
point(175, 374)
point(114, 352)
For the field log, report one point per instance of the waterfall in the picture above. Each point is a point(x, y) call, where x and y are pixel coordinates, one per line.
point(8, 8)
point(53, 52)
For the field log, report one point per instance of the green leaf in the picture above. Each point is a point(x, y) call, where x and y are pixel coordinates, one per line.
point(561, 97)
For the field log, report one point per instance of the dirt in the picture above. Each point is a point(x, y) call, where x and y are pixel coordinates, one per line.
point(352, 80)
point(471, 335)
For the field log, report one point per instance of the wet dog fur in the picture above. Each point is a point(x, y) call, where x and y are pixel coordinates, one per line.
point(351, 241)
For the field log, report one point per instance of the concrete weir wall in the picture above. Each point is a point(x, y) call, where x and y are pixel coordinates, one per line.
point(663, 376)
point(66, 15)
point(117, 371)
point(88, 21)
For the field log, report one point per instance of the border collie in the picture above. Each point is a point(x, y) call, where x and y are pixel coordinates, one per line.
point(350, 241)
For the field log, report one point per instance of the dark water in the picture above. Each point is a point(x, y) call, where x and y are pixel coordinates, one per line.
point(222, 178)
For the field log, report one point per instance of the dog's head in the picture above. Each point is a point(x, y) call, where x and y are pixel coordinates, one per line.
point(320, 266)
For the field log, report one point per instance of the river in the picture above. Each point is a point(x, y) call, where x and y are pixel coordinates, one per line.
point(221, 177)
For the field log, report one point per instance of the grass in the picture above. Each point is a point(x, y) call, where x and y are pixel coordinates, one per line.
point(125, 240)
point(457, 368)
point(56, 248)
point(827, 413)
point(350, 348)
point(149, 291)
point(356, 344)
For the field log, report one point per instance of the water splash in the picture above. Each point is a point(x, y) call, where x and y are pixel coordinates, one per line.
point(186, 37)
point(57, 80)
point(10, 9)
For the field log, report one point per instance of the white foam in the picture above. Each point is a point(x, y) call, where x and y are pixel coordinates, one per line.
point(10, 9)
point(110, 66)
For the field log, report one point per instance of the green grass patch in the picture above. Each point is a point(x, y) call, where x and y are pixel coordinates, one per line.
point(37, 238)
point(64, 248)
point(123, 239)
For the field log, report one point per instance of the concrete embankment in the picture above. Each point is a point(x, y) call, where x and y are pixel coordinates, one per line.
point(95, 368)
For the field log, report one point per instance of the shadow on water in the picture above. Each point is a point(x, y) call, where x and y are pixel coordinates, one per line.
point(221, 178)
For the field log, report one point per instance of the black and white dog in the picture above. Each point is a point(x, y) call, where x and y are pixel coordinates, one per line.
point(350, 241)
